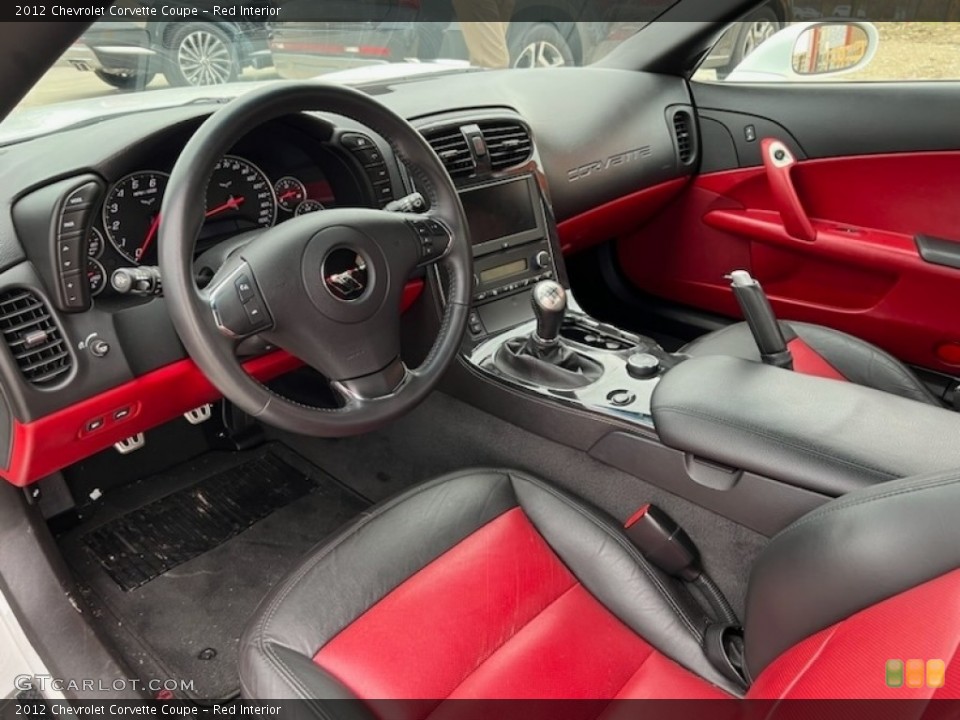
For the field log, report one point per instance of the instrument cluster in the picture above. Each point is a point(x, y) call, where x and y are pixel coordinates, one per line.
point(263, 181)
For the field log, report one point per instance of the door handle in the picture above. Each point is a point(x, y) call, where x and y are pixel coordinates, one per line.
point(779, 162)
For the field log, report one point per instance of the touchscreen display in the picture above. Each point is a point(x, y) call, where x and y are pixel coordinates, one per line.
point(498, 211)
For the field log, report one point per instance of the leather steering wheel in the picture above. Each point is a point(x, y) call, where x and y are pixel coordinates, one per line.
point(324, 286)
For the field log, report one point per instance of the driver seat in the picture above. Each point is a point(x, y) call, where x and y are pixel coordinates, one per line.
point(493, 584)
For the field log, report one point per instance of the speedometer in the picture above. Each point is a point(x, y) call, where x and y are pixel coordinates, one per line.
point(239, 197)
point(131, 215)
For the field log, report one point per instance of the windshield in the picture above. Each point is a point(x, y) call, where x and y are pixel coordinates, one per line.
point(142, 53)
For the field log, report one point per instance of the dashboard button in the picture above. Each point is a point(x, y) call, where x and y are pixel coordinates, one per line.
point(83, 196)
point(620, 398)
point(93, 425)
point(72, 221)
point(72, 285)
point(69, 253)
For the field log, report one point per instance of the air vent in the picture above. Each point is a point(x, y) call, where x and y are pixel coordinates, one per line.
point(33, 337)
point(450, 144)
point(683, 132)
point(507, 142)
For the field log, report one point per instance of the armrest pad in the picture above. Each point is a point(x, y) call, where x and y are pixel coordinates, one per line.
point(824, 435)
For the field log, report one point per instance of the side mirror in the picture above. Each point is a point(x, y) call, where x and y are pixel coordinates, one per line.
point(810, 51)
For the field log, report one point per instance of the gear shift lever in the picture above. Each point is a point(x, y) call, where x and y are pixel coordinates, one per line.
point(549, 301)
point(761, 320)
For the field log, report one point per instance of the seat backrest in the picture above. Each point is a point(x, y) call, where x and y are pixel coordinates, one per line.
point(868, 578)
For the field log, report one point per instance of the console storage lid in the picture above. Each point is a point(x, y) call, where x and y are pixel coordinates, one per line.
point(828, 436)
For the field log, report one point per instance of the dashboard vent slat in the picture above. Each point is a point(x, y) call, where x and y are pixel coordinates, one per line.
point(683, 133)
point(508, 143)
point(452, 148)
point(33, 337)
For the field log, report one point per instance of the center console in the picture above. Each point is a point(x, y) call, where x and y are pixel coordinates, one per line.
point(515, 249)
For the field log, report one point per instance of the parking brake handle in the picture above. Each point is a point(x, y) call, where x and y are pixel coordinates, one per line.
point(761, 320)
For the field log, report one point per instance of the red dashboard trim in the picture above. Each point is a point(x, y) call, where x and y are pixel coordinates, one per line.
point(53, 442)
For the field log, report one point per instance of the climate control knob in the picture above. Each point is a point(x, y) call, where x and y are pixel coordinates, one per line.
point(541, 260)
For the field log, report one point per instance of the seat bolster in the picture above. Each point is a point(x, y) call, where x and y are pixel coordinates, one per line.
point(595, 549)
point(863, 363)
point(344, 576)
point(848, 555)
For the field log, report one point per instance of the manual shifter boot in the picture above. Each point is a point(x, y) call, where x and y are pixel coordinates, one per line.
point(554, 366)
point(542, 358)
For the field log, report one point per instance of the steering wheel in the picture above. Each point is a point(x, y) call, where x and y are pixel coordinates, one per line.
point(326, 286)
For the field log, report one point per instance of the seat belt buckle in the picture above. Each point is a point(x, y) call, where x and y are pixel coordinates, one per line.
point(664, 543)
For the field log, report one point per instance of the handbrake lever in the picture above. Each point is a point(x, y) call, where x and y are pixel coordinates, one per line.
point(760, 318)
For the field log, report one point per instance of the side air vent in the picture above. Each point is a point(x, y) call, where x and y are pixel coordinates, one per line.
point(683, 134)
point(507, 142)
point(33, 337)
point(451, 146)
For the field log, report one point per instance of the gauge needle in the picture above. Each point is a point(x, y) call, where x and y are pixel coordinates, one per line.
point(231, 204)
point(150, 235)
point(289, 194)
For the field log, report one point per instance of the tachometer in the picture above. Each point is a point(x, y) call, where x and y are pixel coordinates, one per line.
point(239, 196)
point(131, 215)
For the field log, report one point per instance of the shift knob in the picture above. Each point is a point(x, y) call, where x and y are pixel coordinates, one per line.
point(549, 301)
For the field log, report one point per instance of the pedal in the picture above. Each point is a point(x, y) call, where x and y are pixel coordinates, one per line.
point(130, 444)
point(199, 414)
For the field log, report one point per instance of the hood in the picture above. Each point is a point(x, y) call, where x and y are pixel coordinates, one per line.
point(29, 122)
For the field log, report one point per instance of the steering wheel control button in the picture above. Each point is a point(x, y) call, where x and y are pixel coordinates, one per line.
point(345, 274)
point(237, 306)
point(620, 398)
point(643, 366)
point(244, 288)
point(434, 239)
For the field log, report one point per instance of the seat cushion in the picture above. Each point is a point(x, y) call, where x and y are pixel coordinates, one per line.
point(483, 584)
point(821, 351)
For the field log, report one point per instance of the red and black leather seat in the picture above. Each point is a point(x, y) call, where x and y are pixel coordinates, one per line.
point(822, 351)
point(493, 584)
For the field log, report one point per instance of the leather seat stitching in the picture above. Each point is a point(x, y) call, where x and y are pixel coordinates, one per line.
point(778, 438)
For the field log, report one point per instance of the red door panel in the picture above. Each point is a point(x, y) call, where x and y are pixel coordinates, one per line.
point(861, 274)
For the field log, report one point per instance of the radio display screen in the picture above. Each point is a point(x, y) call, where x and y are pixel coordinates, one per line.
point(499, 211)
point(503, 271)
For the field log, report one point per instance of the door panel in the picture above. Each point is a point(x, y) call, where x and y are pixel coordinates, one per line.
point(862, 273)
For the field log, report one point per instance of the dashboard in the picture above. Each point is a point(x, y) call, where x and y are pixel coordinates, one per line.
point(79, 205)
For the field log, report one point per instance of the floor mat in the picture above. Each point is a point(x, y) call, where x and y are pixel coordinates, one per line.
point(144, 544)
point(197, 549)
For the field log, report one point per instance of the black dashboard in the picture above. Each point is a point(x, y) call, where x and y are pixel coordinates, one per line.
point(79, 204)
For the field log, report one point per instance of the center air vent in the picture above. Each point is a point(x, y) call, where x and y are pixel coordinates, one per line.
point(33, 337)
point(507, 142)
point(684, 136)
point(450, 144)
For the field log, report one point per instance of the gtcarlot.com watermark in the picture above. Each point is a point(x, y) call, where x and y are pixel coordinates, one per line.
point(47, 683)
